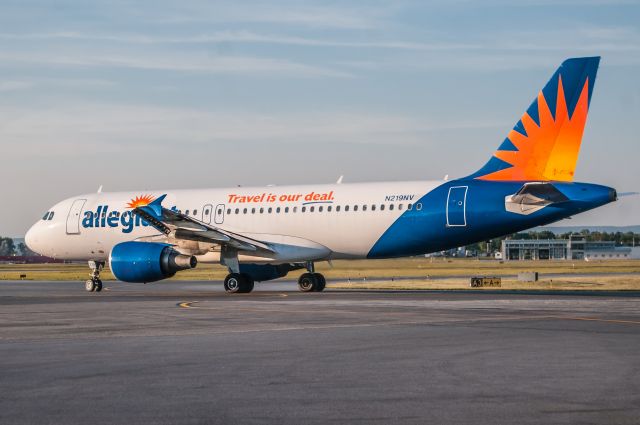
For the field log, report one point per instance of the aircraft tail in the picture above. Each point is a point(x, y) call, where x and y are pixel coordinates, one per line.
point(545, 142)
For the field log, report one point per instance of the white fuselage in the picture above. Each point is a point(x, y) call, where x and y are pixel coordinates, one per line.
point(315, 221)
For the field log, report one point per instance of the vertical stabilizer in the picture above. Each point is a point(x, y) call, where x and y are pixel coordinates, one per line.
point(545, 142)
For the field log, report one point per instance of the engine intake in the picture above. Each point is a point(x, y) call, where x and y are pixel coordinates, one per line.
point(147, 262)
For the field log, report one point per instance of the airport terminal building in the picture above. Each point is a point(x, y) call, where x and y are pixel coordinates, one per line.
point(575, 248)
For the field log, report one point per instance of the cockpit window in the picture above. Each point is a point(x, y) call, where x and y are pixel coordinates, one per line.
point(45, 216)
point(51, 215)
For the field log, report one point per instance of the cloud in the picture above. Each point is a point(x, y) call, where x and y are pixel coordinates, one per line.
point(198, 62)
point(112, 128)
point(7, 86)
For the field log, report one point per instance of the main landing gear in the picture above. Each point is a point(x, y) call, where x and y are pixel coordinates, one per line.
point(238, 283)
point(312, 281)
point(94, 284)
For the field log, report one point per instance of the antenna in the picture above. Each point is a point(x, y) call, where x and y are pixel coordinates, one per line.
point(340, 180)
point(100, 189)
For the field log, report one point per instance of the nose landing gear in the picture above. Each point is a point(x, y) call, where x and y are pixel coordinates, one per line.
point(94, 284)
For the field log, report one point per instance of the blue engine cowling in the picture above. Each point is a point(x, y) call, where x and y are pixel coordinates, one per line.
point(147, 262)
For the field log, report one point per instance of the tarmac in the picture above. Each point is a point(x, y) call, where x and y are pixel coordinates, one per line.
point(186, 352)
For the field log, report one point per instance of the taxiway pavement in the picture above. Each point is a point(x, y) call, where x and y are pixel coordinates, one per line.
point(186, 352)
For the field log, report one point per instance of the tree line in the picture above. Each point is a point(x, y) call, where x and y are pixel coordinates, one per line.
point(8, 247)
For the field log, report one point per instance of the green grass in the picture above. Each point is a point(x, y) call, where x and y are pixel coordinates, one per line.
point(358, 270)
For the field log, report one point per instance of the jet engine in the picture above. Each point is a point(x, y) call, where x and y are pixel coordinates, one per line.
point(147, 262)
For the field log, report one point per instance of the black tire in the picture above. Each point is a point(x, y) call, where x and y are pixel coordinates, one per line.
point(98, 285)
point(233, 283)
point(247, 283)
point(90, 285)
point(321, 282)
point(307, 282)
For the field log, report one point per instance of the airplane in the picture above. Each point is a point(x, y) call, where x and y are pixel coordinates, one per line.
point(263, 233)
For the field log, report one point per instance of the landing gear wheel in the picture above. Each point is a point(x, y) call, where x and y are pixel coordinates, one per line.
point(94, 284)
point(90, 285)
point(248, 283)
point(312, 282)
point(232, 283)
point(306, 282)
point(238, 283)
point(321, 282)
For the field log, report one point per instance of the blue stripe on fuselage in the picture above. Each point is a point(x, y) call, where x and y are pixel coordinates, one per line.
point(422, 231)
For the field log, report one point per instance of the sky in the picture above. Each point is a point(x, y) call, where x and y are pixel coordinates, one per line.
point(187, 94)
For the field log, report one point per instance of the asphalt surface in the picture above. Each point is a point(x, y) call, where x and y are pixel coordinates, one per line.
point(186, 352)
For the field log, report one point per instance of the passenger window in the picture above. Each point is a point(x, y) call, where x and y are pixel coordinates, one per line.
point(346, 207)
point(186, 212)
point(244, 211)
point(195, 212)
point(364, 208)
point(418, 206)
point(237, 210)
point(355, 208)
point(381, 207)
point(261, 210)
point(270, 210)
point(253, 210)
point(295, 209)
point(400, 207)
point(303, 209)
point(278, 210)
point(286, 210)
point(329, 208)
point(338, 208)
point(312, 209)
point(320, 208)
point(409, 207)
point(391, 207)
point(228, 211)
point(373, 207)
point(206, 212)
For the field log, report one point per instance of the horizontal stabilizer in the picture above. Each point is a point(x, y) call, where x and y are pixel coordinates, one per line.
point(533, 197)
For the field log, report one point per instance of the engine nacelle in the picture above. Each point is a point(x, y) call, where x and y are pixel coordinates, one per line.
point(147, 261)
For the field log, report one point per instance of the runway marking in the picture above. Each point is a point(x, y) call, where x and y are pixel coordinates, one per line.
point(190, 304)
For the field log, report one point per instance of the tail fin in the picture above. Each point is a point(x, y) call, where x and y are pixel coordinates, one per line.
point(545, 142)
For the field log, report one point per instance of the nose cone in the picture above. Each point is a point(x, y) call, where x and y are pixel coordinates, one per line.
point(32, 238)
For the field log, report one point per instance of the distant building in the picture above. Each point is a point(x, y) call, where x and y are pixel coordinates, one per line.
point(575, 248)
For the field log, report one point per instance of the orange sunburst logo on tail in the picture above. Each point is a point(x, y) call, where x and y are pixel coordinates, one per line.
point(140, 201)
point(548, 151)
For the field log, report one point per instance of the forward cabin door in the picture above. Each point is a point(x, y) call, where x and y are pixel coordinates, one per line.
point(457, 206)
point(73, 219)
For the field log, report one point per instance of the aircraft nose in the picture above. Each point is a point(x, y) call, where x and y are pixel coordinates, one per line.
point(32, 238)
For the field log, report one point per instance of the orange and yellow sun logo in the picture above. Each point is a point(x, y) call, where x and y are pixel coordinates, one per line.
point(140, 201)
point(548, 150)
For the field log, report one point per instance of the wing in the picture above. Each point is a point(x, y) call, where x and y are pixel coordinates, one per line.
point(181, 226)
